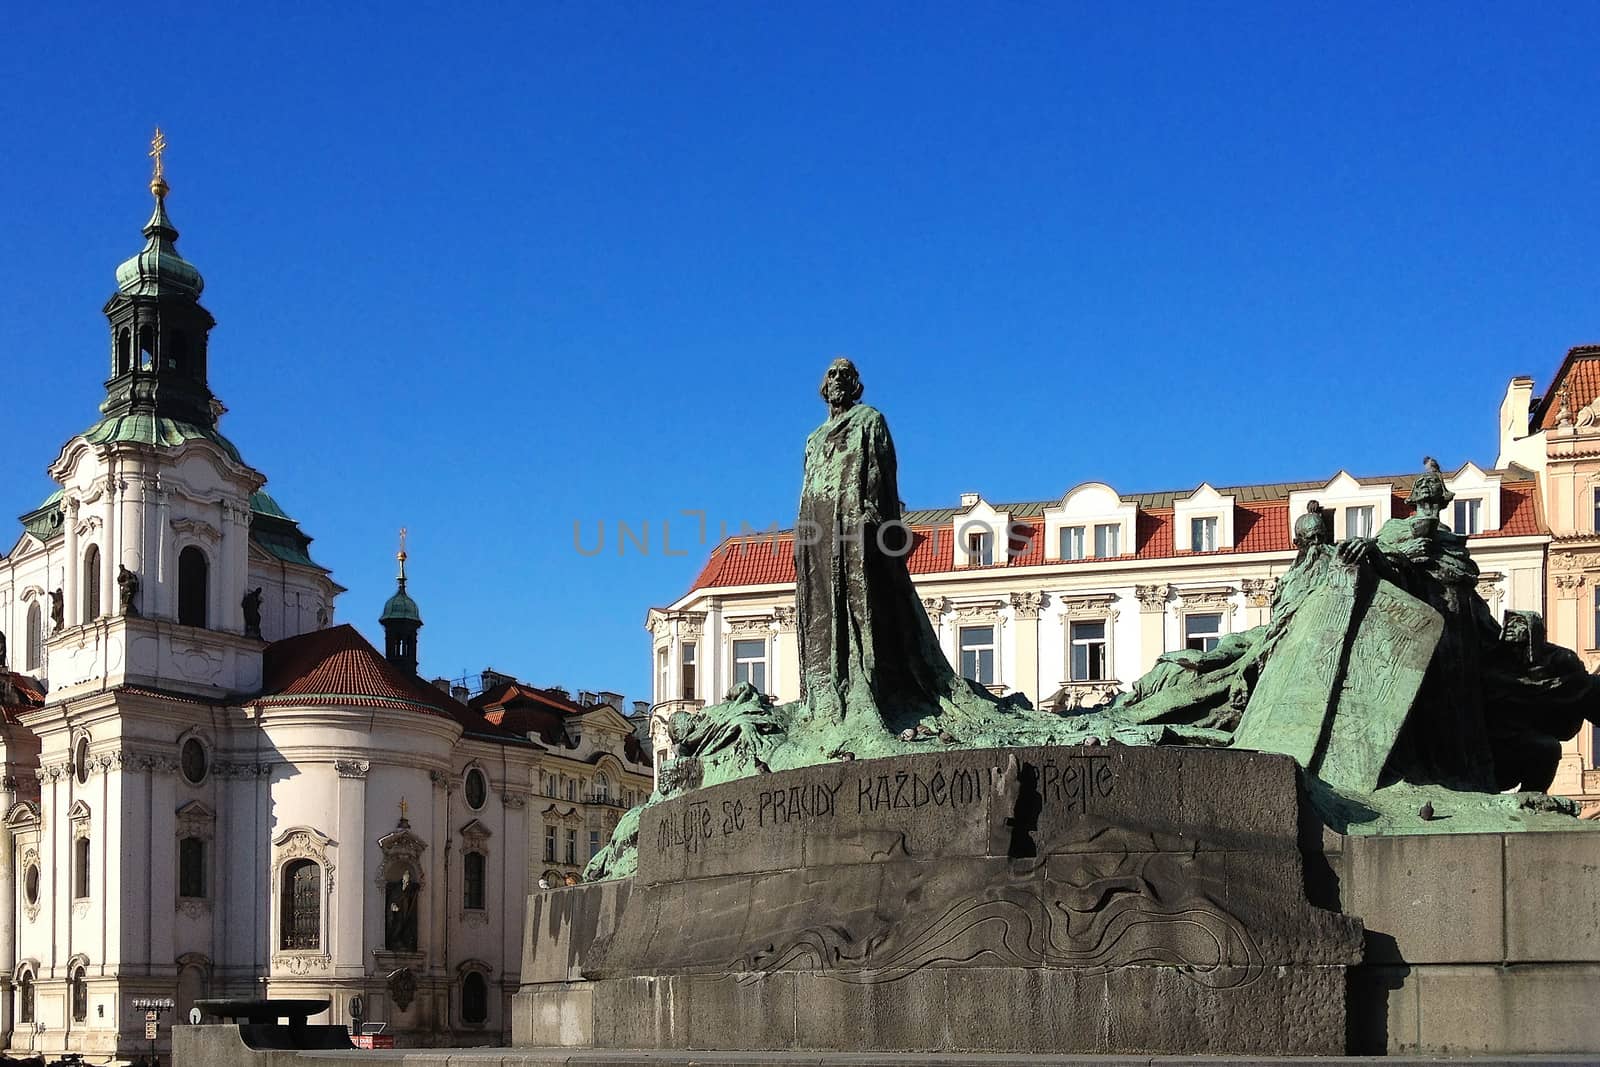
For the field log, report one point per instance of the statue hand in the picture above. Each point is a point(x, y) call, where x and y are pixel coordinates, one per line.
point(1355, 549)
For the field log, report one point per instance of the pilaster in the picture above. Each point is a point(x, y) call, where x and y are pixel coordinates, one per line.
point(1152, 623)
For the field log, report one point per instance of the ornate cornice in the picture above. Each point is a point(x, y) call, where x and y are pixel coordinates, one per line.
point(786, 617)
point(1570, 585)
point(987, 611)
point(1258, 591)
point(935, 606)
point(1218, 597)
point(751, 624)
point(302, 962)
point(1088, 606)
point(198, 527)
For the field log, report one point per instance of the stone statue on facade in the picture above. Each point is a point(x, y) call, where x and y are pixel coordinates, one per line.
point(127, 591)
point(400, 914)
point(251, 604)
point(57, 610)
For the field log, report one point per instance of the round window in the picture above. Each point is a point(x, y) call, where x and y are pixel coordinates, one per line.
point(193, 761)
point(477, 789)
point(30, 883)
point(80, 760)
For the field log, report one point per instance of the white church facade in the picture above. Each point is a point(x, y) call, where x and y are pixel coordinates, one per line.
point(213, 790)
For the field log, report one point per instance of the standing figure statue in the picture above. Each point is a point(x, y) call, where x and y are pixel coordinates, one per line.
point(57, 610)
point(868, 654)
point(127, 590)
point(252, 612)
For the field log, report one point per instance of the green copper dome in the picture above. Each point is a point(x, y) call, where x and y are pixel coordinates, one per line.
point(401, 608)
point(159, 269)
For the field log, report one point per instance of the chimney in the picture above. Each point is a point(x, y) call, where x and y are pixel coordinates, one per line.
point(559, 691)
point(441, 684)
point(491, 678)
point(460, 692)
point(968, 499)
point(614, 699)
point(586, 699)
point(641, 707)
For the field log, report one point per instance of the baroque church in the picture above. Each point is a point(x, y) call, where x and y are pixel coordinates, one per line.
point(212, 789)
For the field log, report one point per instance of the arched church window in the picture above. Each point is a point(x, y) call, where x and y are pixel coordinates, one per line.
point(193, 573)
point(124, 350)
point(25, 997)
point(301, 924)
point(35, 658)
point(176, 349)
point(80, 994)
point(147, 348)
point(91, 583)
point(602, 788)
point(474, 998)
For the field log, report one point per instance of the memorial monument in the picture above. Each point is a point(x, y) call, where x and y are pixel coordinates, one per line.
point(901, 861)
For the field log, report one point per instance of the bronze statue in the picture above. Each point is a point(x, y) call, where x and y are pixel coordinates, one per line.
point(127, 590)
point(252, 612)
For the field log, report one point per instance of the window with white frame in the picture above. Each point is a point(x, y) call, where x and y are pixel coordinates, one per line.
point(1203, 533)
point(1072, 546)
point(688, 674)
point(1107, 540)
point(977, 654)
point(1468, 516)
point(549, 844)
point(750, 663)
point(1359, 520)
point(662, 660)
point(1088, 656)
point(1202, 631)
point(980, 549)
point(572, 846)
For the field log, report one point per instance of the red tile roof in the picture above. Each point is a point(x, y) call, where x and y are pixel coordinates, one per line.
point(339, 666)
point(1580, 373)
point(525, 709)
point(18, 694)
point(1258, 526)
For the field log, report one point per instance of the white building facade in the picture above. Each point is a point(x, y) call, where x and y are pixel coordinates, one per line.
point(211, 789)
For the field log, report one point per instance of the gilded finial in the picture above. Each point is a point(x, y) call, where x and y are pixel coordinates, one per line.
point(403, 809)
point(158, 174)
point(401, 555)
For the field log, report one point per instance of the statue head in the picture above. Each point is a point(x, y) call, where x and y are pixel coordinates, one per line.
point(1525, 630)
point(1312, 527)
point(1429, 494)
point(841, 385)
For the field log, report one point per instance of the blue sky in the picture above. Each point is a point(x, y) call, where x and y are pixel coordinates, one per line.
point(487, 271)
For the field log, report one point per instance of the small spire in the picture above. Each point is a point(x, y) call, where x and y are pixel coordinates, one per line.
point(400, 556)
point(158, 174)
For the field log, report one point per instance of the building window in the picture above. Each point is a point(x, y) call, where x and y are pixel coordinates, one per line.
point(977, 654)
point(1072, 542)
point(35, 636)
point(594, 843)
point(192, 868)
point(602, 788)
point(1202, 632)
point(1088, 650)
point(663, 661)
point(550, 786)
point(30, 884)
point(980, 549)
point(572, 789)
point(688, 671)
point(476, 789)
point(1468, 517)
point(473, 867)
point(25, 998)
point(572, 846)
point(549, 844)
point(192, 761)
point(301, 924)
point(91, 584)
point(80, 868)
point(1597, 510)
point(80, 760)
point(1203, 534)
point(474, 998)
point(80, 994)
point(1594, 639)
point(750, 663)
point(1107, 540)
point(193, 572)
point(1359, 521)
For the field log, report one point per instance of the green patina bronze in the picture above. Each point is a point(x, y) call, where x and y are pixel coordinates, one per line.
point(1382, 672)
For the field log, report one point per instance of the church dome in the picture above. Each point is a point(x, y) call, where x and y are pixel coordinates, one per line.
point(400, 607)
point(158, 269)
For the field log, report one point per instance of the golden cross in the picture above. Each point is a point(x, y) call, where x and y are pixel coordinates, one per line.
point(402, 808)
point(158, 145)
point(402, 539)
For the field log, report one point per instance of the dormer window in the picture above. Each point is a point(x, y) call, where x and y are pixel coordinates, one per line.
point(1072, 543)
point(980, 549)
point(1107, 540)
point(1467, 516)
point(1203, 534)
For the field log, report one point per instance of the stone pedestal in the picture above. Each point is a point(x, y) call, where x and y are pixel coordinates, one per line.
point(1093, 900)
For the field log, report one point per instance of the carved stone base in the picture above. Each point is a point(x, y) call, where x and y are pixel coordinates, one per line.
point(1084, 900)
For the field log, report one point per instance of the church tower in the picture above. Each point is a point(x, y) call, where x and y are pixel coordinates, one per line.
point(401, 620)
